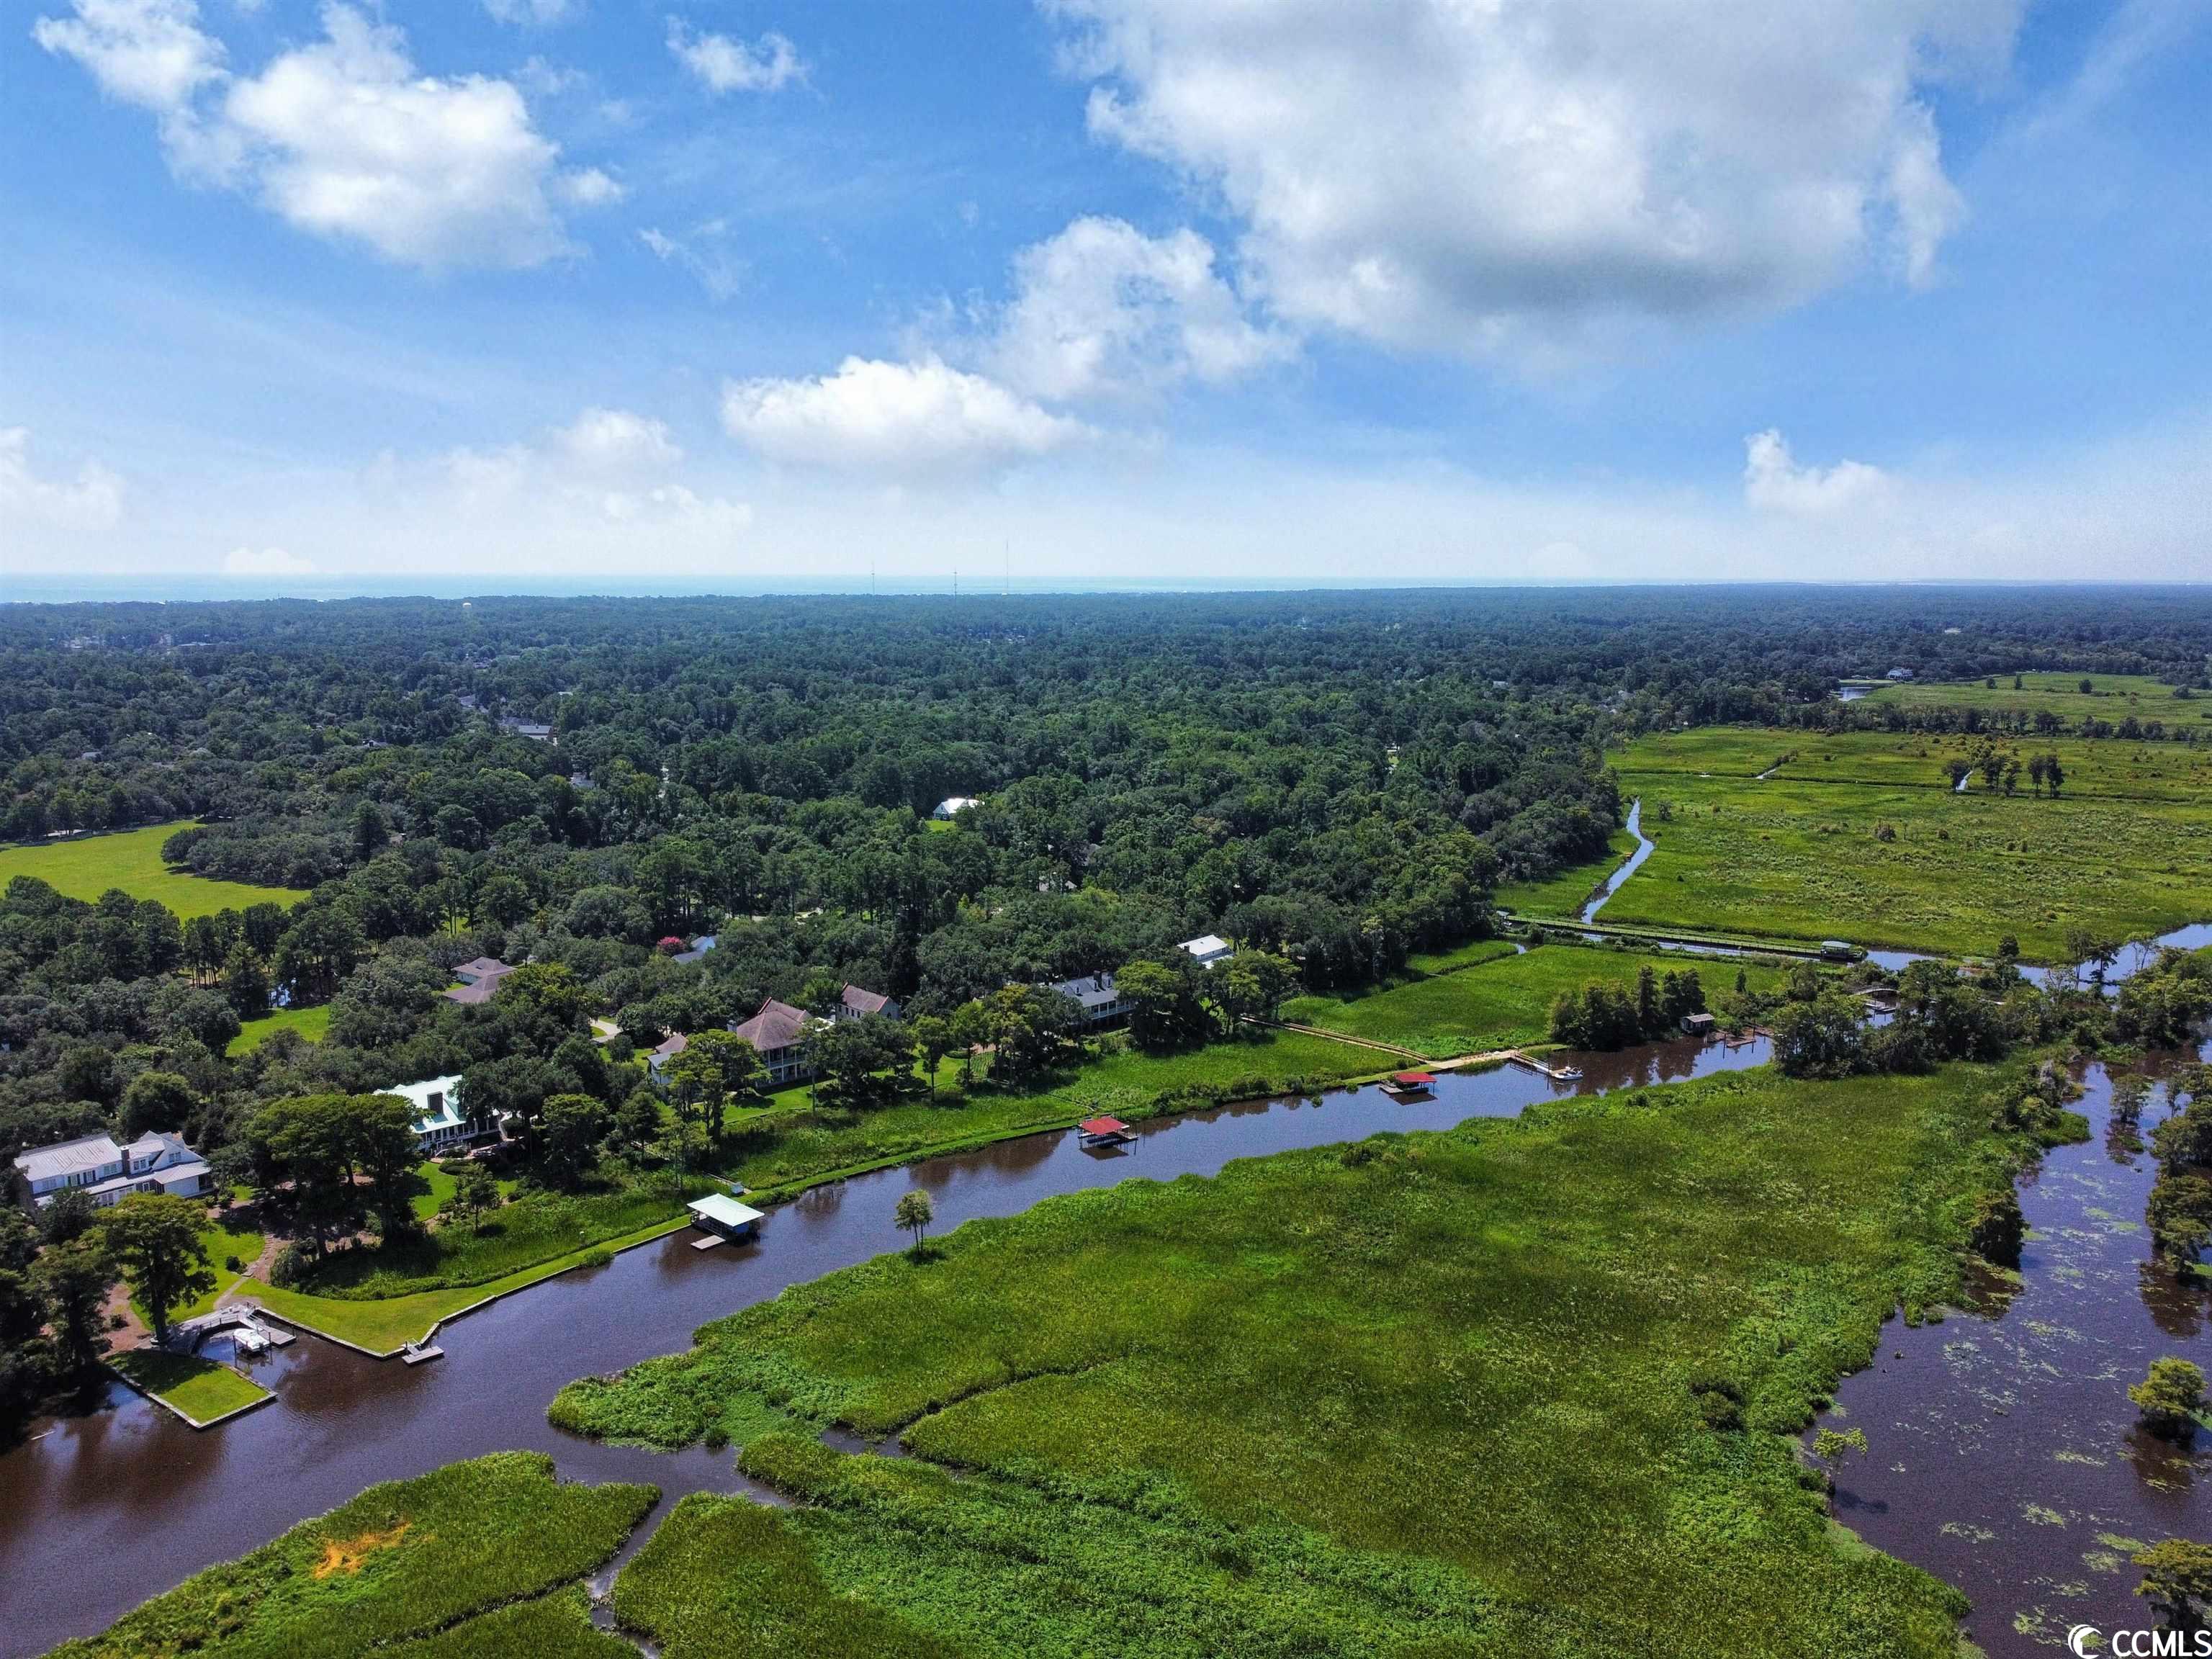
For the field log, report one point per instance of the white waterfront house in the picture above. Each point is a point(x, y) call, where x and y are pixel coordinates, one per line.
point(438, 1120)
point(108, 1173)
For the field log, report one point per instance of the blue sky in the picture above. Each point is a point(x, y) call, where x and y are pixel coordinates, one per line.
point(597, 294)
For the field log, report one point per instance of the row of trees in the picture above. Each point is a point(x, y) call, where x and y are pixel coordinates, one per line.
point(1610, 1014)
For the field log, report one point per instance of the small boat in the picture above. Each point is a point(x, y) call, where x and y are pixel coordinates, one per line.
point(1409, 1085)
point(1569, 1073)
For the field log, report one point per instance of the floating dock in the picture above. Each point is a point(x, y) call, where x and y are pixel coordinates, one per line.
point(421, 1353)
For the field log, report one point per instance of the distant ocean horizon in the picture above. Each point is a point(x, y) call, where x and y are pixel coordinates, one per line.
point(770, 586)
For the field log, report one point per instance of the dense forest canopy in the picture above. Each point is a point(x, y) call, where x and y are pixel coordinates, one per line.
point(1333, 781)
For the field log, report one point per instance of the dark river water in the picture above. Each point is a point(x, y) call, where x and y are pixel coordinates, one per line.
point(101, 1512)
point(2003, 1445)
point(2003, 1454)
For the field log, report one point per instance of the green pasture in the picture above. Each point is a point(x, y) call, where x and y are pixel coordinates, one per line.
point(132, 859)
point(2112, 696)
point(1804, 858)
point(1476, 1392)
point(1506, 1003)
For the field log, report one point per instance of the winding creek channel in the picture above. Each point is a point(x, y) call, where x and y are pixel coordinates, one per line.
point(1972, 1420)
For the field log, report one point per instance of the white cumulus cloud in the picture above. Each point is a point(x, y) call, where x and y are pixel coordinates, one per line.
point(1774, 482)
point(1102, 309)
point(903, 419)
point(723, 64)
point(535, 13)
point(344, 136)
point(617, 440)
point(1473, 175)
point(92, 500)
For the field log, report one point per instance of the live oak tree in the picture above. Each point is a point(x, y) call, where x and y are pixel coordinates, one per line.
point(155, 1241)
point(72, 1281)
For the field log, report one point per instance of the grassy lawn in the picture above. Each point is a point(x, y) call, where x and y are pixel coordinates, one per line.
point(2112, 696)
point(310, 1023)
point(1506, 1003)
point(781, 1153)
point(378, 1300)
point(402, 1561)
point(384, 1325)
point(233, 1235)
point(200, 1389)
point(1445, 1393)
point(440, 1186)
point(1565, 893)
point(1798, 856)
point(132, 859)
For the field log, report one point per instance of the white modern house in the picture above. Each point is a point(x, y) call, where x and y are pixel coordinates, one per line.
point(439, 1120)
point(1208, 948)
point(108, 1173)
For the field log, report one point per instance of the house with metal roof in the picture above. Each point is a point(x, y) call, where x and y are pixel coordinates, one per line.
point(107, 1173)
point(1096, 996)
point(1208, 948)
point(718, 1212)
point(439, 1122)
point(953, 805)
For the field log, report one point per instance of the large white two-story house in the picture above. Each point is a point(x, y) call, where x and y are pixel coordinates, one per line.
point(108, 1173)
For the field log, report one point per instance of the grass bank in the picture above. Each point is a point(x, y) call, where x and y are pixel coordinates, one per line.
point(1566, 893)
point(1803, 855)
point(202, 1389)
point(402, 1562)
point(132, 859)
point(313, 1024)
point(1539, 1367)
point(1505, 1003)
point(780, 1152)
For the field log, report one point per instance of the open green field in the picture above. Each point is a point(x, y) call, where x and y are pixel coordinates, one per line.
point(2101, 768)
point(310, 1023)
point(132, 859)
point(1484, 1391)
point(410, 1562)
point(201, 1388)
point(1799, 856)
point(2111, 697)
point(1506, 1003)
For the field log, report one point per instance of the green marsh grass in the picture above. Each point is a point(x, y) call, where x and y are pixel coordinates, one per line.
point(1482, 1349)
point(1506, 1002)
point(403, 1560)
point(1801, 856)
